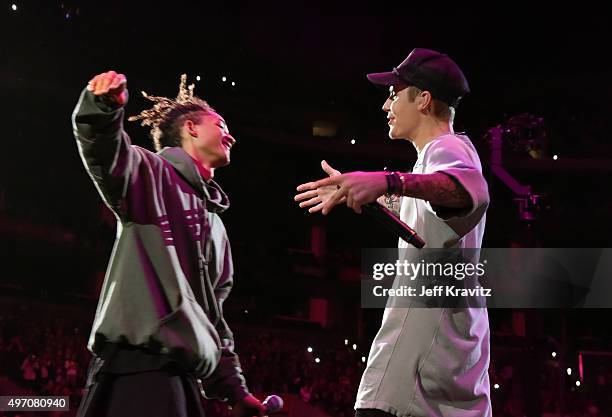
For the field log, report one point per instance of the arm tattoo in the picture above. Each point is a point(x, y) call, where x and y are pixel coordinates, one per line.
point(438, 188)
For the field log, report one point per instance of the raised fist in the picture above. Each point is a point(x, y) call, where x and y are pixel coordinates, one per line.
point(111, 85)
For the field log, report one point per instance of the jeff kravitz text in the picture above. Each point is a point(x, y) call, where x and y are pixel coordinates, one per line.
point(436, 291)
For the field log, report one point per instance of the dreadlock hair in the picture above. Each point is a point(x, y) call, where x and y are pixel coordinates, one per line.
point(167, 116)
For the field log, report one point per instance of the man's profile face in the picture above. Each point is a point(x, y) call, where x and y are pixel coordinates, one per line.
point(214, 141)
point(402, 114)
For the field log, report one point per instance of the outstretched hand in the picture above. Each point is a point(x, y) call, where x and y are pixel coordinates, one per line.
point(315, 197)
point(111, 85)
point(354, 188)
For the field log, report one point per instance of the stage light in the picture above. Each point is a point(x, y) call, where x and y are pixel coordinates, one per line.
point(224, 79)
point(345, 342)
point(198, 78)
point(554, 354)
point(354, 347)
point(14, 7)
point(353, 141)
point(496, 386)
point(309, 349)
point(317, 360)
point(569, 371)
point(555, 157)
point(246, 311)
point(363, 359)
point(233, 84)
point(577, 383)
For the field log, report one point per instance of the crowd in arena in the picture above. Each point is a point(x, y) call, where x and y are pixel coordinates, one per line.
point(48, 356)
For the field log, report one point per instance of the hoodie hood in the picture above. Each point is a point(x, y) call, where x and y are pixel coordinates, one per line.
point(216, 199)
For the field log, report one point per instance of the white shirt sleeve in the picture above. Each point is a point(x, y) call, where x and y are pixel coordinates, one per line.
point(458, 159)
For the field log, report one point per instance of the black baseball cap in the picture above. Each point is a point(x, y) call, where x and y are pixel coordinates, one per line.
point(428, 70)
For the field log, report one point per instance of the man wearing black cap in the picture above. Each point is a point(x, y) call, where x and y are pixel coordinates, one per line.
point(423, 361)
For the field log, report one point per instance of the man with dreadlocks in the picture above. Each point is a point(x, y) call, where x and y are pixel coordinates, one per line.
point(159, 328)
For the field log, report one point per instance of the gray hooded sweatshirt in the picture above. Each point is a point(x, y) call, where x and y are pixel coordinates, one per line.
point(171, 265)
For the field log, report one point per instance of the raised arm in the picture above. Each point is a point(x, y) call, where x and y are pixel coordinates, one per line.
point(104, 147)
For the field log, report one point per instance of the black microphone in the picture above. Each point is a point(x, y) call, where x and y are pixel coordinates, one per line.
point(273, 404)
point(393, 224)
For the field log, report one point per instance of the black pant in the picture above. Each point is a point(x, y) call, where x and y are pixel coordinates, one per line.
point(371, 412)
point(154, 393)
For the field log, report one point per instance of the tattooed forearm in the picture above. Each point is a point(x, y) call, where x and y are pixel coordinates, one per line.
point(437, 188)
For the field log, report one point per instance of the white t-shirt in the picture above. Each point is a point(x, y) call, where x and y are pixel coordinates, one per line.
point(433, 362)
point(448, 228)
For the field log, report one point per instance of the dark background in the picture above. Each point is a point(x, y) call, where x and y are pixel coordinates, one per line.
point(296, 66)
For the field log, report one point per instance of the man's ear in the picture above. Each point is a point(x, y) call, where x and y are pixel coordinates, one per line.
point(190, 127)
point(424, 100)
